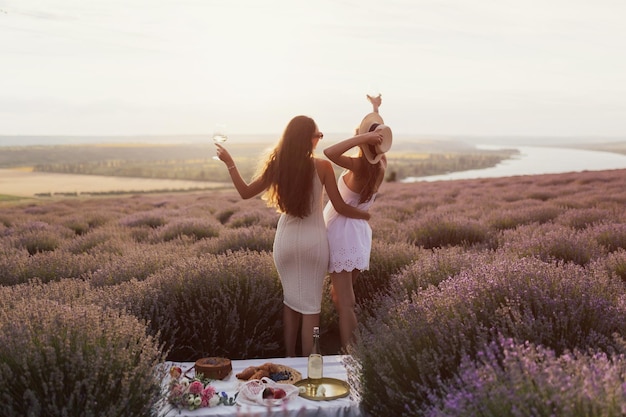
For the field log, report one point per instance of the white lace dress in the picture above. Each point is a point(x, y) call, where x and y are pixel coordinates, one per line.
point(350, 240)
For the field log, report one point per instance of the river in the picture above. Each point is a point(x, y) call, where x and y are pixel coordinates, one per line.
point(536, 160)
point(532, 160)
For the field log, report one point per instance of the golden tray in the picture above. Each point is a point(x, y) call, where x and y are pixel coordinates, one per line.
point(335, 388)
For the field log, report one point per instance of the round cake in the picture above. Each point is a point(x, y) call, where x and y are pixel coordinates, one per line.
point(214, 368)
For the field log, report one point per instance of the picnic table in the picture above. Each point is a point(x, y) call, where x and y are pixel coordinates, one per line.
point(298, 406)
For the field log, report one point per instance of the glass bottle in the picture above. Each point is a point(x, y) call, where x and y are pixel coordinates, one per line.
point(316, 361)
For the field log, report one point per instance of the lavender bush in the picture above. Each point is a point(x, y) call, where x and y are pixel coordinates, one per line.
point(193, 228)
point(522, 213)
point(111, 241)
point(560, 307)
point(431, 267)
point(67, 360)
point(136, 262)
point(610, 236)
point(447, 229)
point(37, 237)
point(551, 242)
point(255, 238)
point(387, 259)
point(225, 305)
point(614, 265)
point(82, 223)
point(519, 380)
point(456, 269)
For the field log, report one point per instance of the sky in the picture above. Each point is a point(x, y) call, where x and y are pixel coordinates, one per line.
point(443, 67)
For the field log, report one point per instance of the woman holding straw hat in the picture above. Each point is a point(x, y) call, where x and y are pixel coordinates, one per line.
point(350, 240)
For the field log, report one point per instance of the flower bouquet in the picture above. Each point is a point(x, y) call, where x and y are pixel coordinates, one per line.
point(195, 392)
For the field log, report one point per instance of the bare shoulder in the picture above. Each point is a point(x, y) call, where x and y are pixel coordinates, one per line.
point(322, 164)
point(323, 168)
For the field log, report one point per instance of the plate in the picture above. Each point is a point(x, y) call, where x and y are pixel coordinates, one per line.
point(334, 388)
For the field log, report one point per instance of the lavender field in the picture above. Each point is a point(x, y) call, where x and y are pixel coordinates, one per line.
point(495, 297)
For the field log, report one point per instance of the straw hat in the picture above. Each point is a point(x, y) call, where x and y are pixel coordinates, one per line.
point(373, 122)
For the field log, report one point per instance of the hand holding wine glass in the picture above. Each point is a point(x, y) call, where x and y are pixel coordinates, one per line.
point(220, 135)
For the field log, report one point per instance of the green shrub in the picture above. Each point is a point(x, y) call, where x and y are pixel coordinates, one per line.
point(61, 360)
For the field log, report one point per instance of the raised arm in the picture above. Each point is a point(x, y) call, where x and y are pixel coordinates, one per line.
point(336, 152)
point(325, 170)
point(245, 190)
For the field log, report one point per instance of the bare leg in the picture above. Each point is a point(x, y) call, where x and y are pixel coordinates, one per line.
point(343, 298)
point(291, 320)
point(355, 275)
point(308, 322)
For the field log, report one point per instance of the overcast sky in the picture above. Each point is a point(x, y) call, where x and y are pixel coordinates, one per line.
point(445, 67)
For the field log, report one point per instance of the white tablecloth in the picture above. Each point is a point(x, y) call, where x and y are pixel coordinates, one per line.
point(296, 407)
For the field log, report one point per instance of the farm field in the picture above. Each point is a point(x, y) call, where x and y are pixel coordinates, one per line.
point(23, 183)
point(483, 296)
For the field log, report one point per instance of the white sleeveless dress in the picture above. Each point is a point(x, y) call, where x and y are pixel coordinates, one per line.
point(350, 240)
point(301, 255)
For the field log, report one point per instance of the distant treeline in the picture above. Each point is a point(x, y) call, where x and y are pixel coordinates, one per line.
point(209, 170)
point(193, 162)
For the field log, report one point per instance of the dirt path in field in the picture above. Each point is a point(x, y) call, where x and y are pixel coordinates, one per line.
point(29, 184)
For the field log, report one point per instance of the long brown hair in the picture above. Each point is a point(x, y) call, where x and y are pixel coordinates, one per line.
point(290, 169)
point(370, 172)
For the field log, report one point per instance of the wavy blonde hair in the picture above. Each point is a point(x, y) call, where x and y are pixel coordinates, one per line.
point(290, 167)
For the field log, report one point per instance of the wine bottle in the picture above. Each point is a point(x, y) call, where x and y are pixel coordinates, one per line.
point(316, 361)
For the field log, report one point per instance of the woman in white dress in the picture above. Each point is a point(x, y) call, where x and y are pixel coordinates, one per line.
point(350, 240)
point(293, 181)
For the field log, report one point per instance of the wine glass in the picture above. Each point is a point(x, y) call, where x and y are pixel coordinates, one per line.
point(220, 135)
